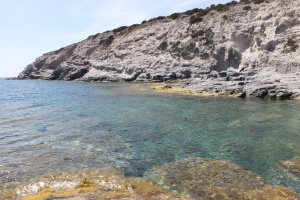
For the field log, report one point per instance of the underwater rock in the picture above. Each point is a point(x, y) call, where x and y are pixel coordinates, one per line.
point(293, 166)
point(198, 178)
point(289, 173)
point(271, 193)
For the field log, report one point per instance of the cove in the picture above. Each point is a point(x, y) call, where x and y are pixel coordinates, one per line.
point(49, 127)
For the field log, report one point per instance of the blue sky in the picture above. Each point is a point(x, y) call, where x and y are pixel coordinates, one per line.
point(30, 28)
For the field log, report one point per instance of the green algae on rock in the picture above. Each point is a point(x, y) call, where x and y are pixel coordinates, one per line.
point(198, 178)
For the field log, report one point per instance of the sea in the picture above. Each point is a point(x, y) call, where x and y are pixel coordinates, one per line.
point(49, 127)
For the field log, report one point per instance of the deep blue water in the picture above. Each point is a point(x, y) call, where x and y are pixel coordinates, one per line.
point(49, 126)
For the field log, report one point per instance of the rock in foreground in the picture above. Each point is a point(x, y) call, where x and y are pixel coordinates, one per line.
point(104, 184)
point(193, 178)
point(203, 179)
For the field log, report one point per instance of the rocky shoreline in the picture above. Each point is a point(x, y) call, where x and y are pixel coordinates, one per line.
point(250, 48)
point(191, 178)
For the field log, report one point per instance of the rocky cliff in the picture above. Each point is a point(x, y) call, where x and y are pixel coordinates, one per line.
point(250, 48)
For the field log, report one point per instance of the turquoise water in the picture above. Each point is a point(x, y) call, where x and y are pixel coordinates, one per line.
point(47, 127)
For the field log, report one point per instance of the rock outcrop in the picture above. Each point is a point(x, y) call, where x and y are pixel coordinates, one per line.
point(249, 48)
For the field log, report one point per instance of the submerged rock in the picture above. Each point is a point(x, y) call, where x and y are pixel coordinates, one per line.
point(289, 171)
point(198, 178)
point(293, 166)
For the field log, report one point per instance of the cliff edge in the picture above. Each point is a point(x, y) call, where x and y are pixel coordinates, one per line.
point(250, 48)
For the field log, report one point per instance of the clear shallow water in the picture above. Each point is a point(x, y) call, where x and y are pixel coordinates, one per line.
point(48, 127)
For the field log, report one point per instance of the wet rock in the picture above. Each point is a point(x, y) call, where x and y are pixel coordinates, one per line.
point(198, 178)
point(289, 173)
point(272, 193)
point(292, 166)
point(91, 184)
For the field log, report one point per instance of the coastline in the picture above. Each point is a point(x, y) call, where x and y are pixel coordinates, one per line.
point(230, 52)
point(205, 179)
point(193, 87)
point(182, 88)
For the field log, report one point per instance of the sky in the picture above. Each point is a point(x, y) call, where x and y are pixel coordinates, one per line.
point(30, 28)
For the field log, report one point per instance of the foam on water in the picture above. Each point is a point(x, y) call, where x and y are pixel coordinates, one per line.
point(34, 188)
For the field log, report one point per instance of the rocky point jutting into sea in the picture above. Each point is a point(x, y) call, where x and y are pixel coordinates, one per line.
point(250, 48)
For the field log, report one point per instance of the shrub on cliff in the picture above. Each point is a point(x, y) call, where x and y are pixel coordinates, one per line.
point(174, 16)
point(156, 18)
point(258, 1)
point(218, 7)
point(93, 36)
point(222, 7)
point(198, 17)
point(107, 41)
point(231, 3)
point(195, 19)
point(133, 26)
point(247, 8)
point(117, 30)
point(193, 11)
point(202, 13)
point(245, 1)
point(198, 33)
point(225, 17)
point(290, 46)
point(163, 46)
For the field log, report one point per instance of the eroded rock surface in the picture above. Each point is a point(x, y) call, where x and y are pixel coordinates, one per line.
point(252, 51)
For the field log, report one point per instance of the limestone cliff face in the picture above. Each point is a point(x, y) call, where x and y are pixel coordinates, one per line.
point(249, 49)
